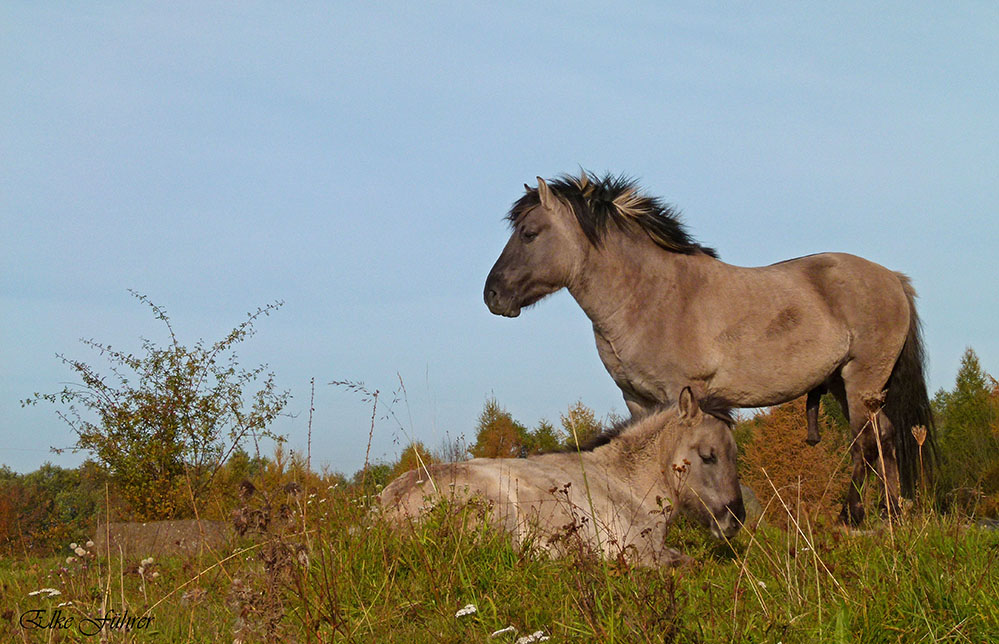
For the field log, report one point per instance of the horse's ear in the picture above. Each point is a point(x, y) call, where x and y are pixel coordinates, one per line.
point(545, 194)
point(687, 404)
point(527, 188)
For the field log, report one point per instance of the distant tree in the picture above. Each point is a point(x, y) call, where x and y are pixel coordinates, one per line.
point(545, 438)
point(415, 455)
point(968, 435)
point(497, 434)
point(167, 419)
point(373, 477)
point(580, 424)
point(42, 511)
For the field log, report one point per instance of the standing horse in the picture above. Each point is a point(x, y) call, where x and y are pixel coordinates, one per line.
point(667, 312)
point(620, 491)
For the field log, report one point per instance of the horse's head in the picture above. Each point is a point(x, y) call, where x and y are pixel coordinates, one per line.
point(700, 468)
point(544, 252)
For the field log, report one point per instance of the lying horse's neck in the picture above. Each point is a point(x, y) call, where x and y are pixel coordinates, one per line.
point(637, 454)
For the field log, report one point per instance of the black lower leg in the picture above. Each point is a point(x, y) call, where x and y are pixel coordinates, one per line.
point(812, 413)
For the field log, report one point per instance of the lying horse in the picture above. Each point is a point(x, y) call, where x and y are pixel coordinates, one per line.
point(667, 313)
point(621, 491)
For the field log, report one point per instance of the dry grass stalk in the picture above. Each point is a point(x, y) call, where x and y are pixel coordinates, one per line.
point(919, 433)
point(808, 541)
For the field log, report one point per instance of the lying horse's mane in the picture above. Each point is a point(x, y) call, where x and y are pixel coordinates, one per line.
point(711, 406)
point(615, 199)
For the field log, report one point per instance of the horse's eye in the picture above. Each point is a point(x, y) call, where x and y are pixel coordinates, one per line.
point(709, 458)
point(528, 235)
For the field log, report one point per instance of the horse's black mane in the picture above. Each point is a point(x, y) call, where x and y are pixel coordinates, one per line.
point(618, 200)
point(711, 406)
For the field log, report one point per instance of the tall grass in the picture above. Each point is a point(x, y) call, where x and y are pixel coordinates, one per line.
point(319, 565)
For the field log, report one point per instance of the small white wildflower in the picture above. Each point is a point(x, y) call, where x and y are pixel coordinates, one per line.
point(70, 560)
point(467, 610)
point(90, 544)
point(142, 570)
point(508, 629)
point(536, 636)
point(148, 561)
point(73, 546)
point(51, 592)
point(761, 585)
point(63, 604)
point(80, 552)
point(155, 575)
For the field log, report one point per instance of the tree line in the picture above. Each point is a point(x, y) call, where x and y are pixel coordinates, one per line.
point(167, 431)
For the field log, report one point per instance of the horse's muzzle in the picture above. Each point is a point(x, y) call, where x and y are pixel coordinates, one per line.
point(498, 305)
point(728, 524)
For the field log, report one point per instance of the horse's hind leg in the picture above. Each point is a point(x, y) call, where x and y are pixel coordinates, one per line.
point(860, 395)
point(868, 457)
point(853, 508)
point(886, 466)
point(812, 412)
point(870, 451)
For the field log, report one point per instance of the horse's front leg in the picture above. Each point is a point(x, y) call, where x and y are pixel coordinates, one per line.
point(639, 406)
point(812, 413)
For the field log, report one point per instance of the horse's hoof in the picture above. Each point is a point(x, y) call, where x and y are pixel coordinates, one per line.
point(892, 513)
point(812, 441)
point(851, 516)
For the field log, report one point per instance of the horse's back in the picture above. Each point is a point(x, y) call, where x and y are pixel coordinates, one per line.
point(868, 298)
point(505, 483)
point(775, 332)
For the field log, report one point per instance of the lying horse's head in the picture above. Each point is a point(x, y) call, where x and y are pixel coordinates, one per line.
point(699, 463)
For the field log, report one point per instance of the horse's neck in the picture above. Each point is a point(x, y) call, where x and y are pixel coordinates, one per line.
point(624, 276)
point(635, 454)
point(628, 277)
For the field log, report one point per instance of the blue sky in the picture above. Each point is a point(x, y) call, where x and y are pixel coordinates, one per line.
point(355, 160)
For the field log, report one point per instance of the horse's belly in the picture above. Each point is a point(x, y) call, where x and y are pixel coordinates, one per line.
point(773, 379)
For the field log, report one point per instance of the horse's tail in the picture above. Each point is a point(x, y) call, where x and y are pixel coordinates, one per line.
point(907, 404)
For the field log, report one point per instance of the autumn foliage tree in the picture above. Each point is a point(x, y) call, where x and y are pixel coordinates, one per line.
point(580, 424)
point(776, 459)
point(497, 434)
point(415, 455)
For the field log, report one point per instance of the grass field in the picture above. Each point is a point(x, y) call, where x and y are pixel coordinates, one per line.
point(322, 568)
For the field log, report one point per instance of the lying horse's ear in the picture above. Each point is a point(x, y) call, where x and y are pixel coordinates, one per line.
point(687, 404)
point(545, 194)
